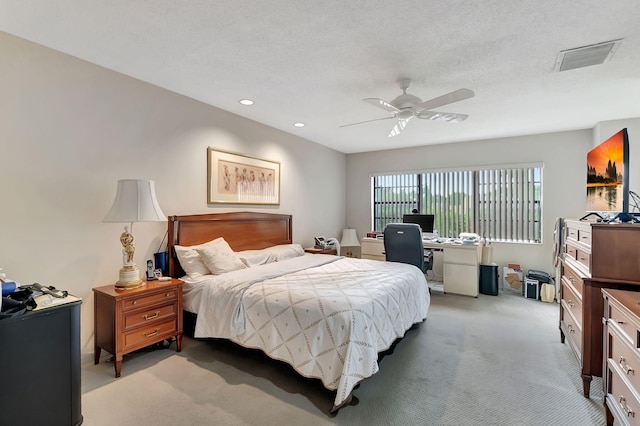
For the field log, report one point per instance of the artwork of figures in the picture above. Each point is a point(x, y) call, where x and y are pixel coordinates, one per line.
point(239, 179)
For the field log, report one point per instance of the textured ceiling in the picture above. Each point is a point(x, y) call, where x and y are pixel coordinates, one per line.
point(314, 61)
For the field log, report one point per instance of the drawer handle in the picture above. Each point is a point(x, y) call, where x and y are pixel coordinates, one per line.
point(135, 302)
point(620, 322)
point(167, 295)
point(570, 303)
point(145, 334)
point(155, 315)
point(623, 405)
point(625, 367)
point(570, 328)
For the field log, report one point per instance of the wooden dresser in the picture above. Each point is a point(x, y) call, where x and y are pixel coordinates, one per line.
point(622, 355)
point(596, 256)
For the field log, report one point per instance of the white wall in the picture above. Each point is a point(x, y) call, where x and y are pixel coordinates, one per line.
point(563, 155)
point(69, 130)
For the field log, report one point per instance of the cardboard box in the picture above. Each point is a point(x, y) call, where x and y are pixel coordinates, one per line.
point(512, 278)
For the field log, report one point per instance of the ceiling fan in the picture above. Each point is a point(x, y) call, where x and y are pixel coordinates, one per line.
point(406, 106)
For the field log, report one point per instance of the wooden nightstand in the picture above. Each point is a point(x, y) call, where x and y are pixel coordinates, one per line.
point(128, 320)
point(321, 251)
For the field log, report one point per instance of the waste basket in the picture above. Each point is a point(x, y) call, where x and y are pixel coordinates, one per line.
point(489, 279)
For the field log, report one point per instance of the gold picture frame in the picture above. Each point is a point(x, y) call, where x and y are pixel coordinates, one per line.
point(234, 178)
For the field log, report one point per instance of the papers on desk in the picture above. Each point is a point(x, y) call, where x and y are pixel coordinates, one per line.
point(45, 301)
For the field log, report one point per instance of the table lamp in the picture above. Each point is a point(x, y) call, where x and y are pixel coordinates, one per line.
point(135, 202)
point(349, 239)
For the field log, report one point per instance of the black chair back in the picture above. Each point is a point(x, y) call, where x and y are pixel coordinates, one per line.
point(403, 243)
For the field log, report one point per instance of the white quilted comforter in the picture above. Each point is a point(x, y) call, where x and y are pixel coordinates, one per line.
point(326, 316)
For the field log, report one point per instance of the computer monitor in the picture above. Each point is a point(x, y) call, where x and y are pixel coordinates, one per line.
point(424, 220)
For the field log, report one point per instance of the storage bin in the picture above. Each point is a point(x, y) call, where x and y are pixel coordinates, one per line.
point(489, 279)
point(531, 288)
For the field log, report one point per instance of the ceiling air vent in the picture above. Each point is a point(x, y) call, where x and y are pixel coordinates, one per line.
point(586, 56)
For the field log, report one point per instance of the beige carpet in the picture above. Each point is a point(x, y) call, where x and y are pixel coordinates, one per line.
point(494, 360)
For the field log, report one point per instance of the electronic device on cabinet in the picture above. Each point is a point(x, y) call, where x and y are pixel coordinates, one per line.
point(324, 243)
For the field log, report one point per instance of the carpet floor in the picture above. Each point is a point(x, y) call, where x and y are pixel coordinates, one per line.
point(491, 360)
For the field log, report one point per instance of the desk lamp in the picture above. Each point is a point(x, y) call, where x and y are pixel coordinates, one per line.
point(135, 202)
point(349, 239)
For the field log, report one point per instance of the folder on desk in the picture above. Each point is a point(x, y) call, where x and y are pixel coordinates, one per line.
point(45, 301)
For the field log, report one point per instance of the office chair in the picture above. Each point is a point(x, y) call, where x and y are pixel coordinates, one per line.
point(403, 243)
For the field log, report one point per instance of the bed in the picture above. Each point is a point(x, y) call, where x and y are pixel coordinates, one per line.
point(327, 316)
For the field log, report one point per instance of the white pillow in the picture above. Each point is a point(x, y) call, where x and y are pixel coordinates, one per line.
point(219, 258)
point(285, 251)
point(191, 261)
point(253, 258)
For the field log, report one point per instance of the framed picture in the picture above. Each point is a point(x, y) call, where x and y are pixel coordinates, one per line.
point(239, 179)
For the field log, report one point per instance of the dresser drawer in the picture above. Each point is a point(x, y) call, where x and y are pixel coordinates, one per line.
point(579, 254)
point(148, 335)
point(571, 302)
point(157, 314)
point(579, 231)
point(572, 233)
point(584, 258)
point(626, 359)
point(461, 256)
point(573, 333)
point(621, 399)
point(584, 236)
point(572, 277)
point(621, 321)
point(150, 299)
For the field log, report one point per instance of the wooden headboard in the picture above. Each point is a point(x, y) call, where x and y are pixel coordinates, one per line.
point(242, 230)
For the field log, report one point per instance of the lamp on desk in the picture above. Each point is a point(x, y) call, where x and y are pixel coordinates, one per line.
point(135, 202)
point(349, 239)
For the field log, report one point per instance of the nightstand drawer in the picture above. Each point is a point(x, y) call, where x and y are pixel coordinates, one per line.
point(157, 314)
point(148, 335)
point(372, 247)
point(169, 294)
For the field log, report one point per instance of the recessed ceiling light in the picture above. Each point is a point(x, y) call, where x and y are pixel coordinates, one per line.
point(246, 101)
point(298, 124)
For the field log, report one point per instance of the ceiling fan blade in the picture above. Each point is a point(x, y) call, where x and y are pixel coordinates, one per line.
point(455, 96)
point(450, 117)
point(400, 125)
point(366, 121)
point(382, 104)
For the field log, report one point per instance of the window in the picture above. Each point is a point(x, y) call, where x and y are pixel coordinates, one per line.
point(499, 204)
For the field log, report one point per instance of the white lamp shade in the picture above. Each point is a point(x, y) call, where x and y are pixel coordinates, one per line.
point(349, 238)
point(135, 202)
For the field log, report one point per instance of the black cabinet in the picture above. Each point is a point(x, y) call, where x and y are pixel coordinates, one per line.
point(40, 367)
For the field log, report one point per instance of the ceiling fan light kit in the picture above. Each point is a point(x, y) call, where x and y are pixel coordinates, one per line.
point(406, 106)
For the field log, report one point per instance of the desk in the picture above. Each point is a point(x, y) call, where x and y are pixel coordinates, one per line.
point(460, 263)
